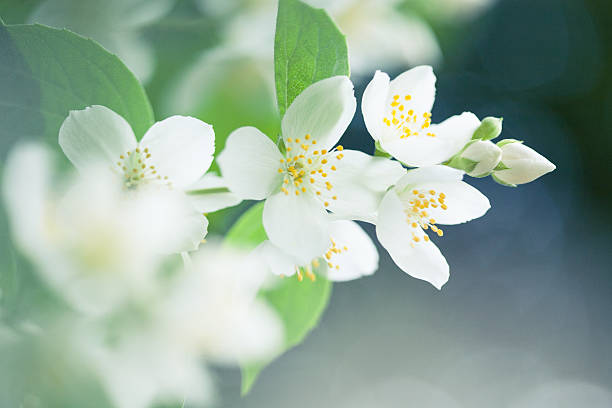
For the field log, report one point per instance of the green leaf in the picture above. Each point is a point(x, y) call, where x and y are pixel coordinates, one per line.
point(46, 72)
point(298, 304)
point(308, 47)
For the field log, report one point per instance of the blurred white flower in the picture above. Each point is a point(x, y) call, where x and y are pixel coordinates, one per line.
point(398, 116)
point(351, 255)
point(173, 153)
point(95, 244)
point(423, 198)
point(522, 164)
point(213, 310)
point(115, 24)
point(377, 32)
point(210, 314)
point(311, 176)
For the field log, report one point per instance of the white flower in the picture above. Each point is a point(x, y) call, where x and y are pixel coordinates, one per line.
point(422, 199)
point(351, 255)
point(523, 164)
point(95, 244)
point(173, 153)
point(311, 176)
point(398, 116)
point(484, 154)
point(214, 312)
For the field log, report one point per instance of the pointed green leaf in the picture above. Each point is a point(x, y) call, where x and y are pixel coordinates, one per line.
point(308, 47)
point(298, 304)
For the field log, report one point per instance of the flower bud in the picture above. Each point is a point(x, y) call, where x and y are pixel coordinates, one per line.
point(485, 154)
point(520, 164)
point(489, 128)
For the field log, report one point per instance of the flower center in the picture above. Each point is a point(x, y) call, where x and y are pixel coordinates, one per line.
point(136, 168)
point(306, 169)
point(406, 122)
point(416, 206)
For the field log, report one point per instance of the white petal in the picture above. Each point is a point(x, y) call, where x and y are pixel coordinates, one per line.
point(26, 189)
point(95, 134)
point(418, 82)
point(450, 137)
point(464, 202)
point(204, 197)
point(422, 259)
point(360, 258)
point(276, 259)
point(428, 174)
point(359, 184)
point(249, 164)
point(298, 225)
point(323, 110)
point(181, 148)
point(373, 103)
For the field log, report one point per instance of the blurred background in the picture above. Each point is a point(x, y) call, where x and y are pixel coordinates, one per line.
point(524, 320)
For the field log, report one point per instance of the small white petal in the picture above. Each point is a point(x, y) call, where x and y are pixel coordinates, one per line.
point(426, 174)
point(249, 164)
point(211, 201)
point(181, 148)
point(373, 103)
point(298, 225)
point(359, 184)
point(450, 137)
point(95, 134)
point(422, 259)
point(323, 110)
point(279, 262)
point(358, 255)
point(418, 82)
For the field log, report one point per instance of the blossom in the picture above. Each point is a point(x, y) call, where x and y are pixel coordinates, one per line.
point(351, 254)
point(93, 243)
point(310, 176)
point(521, 164)
point(173, 154)
point(208, 315)
point(422, 199)
point(397, 114)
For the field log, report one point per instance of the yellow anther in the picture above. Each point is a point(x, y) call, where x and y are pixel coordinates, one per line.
point(414, 225)
point(137, 150)
point(333, 168)
point(432, 192)
point(297, 193)
point(340, 148)
point(334, 197)
point(318, 193)
point(326, 203)
point(312, 180)
point(307, 136)
point(407, 97)
point(440, 232)
point(309, 161)
point(324, 174)
point(444, 207)
point(314, 142)
point(432, 221)
point(303, 189)
point(324, 161)
point(280, 170)
point(425, 238)
point(282, 160)
point(315, 152)
point(297, 140)
point(288, 149)
point(395, 97)
point(289, 140)
point(122, 157)
point(324, 151)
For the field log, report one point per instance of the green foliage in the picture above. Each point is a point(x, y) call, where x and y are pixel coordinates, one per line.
point(298, 304)
point(46, 72)
point(308, 47)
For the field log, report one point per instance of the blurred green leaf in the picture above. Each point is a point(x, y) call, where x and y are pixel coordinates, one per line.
point(308, 47)
point(46, 72)
point(298, 304)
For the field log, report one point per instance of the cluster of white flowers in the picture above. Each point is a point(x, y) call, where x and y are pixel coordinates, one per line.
point(102, 242)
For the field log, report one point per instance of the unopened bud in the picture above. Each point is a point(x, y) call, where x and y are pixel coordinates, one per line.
point(520, 164)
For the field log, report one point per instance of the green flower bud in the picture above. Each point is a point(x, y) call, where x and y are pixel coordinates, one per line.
point(489, 128)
